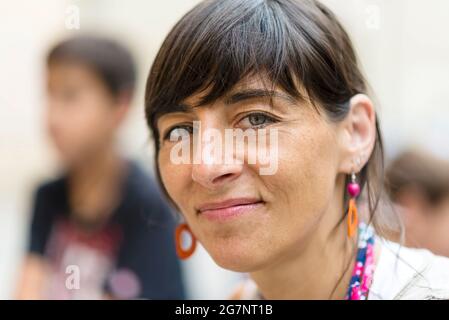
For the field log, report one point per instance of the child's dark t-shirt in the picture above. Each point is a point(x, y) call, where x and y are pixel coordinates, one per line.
point(132, 255)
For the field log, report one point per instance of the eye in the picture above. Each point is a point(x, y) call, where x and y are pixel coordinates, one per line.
point(179, 132)
point(256, 120)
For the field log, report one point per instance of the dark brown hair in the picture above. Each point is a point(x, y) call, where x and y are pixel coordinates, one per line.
point(108, 59)
point(300, 46)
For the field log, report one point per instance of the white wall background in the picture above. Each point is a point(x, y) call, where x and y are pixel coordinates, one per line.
point(403, 45)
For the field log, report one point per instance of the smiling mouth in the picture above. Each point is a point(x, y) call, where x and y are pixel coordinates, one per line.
point(232, 208)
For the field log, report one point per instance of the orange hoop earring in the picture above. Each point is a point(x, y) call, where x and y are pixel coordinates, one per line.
point(354, 191)
point(181, 252)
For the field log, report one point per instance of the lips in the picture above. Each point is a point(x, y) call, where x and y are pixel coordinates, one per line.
point(228, 209)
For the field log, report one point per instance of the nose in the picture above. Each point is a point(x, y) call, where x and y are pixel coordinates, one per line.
point(215, 176)
point(214, 165)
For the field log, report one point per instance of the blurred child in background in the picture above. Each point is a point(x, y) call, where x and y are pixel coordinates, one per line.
point(418, 184)
point(101, 230)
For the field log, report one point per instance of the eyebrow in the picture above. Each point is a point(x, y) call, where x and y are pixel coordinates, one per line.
point(257, 94)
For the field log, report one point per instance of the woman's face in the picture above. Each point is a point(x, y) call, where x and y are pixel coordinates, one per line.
point(246, 220)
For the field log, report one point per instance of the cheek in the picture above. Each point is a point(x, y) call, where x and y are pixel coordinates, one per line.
point(98, 112)
point(87, 118)
point(304, 184)
point(175, 178)
point(442, 222)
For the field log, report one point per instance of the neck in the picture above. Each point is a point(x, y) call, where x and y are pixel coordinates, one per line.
point(94, 184)
point(319, 269)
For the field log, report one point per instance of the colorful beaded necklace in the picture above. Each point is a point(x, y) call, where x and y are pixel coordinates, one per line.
point(362, 274)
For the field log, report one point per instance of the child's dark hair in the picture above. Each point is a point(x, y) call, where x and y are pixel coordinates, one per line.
point(111, 61)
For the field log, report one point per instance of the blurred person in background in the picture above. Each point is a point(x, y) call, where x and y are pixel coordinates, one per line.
point(101, 230)
point(418, 184)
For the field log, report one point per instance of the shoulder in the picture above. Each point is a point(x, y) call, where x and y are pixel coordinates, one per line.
point(50, 196)
point(143, 198)
point(405, 273)
point(51, 188)
point(142, 185)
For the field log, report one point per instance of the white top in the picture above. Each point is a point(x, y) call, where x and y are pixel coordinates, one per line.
point(401, 273)
point(409, 274)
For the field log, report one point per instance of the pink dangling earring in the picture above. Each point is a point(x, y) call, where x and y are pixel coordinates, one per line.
point(353, 190)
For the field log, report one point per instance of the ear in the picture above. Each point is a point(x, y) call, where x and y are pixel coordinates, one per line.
point(357, 134)
point(122, 106)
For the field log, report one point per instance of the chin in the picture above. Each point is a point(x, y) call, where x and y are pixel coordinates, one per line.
point(237, 258)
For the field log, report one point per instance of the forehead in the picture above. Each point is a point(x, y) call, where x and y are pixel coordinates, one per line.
point(73, 73)
point(62, 70)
